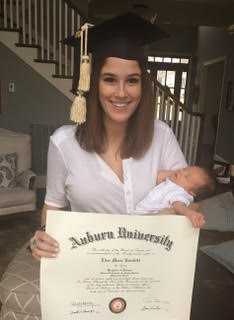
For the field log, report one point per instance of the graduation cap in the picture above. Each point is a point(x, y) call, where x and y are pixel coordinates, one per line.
point(124, 36)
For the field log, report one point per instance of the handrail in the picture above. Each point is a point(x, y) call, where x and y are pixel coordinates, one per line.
point(185, 123)
point(177, 101)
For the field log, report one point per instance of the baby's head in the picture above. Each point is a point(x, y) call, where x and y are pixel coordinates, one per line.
point(195, 180)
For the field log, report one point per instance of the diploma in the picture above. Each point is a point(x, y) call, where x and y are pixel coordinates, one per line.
point(119, 267)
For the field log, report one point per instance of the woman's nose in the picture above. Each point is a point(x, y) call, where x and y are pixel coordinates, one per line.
point(121, 91)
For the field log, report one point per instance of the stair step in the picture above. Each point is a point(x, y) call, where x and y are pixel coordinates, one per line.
point(27, 45)
point(46, 61)
point(61, 77)
point(28, 53)
point(10, 29)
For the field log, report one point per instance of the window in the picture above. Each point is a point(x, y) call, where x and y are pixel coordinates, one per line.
point(171, 72)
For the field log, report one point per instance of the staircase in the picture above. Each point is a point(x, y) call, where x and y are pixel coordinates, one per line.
point(33, 30)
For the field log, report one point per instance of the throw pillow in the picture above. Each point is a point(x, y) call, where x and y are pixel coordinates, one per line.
point(222, 253)
point(219, 212)
point(7, 169)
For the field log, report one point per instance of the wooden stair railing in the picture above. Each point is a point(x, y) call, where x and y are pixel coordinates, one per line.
point(185, 124)
point(43, 24)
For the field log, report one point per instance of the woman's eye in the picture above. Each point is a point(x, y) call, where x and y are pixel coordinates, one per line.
point(134, 80)
point(109, 79)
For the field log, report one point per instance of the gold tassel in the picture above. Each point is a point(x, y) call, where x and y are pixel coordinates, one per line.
point(78, 109)
point(84, 82)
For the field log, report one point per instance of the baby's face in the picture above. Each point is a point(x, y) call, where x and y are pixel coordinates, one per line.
point(189, 178)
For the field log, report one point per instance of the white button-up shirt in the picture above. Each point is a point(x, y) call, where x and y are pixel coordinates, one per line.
point(85, 180)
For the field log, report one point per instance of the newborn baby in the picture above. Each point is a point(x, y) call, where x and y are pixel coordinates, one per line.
point(177, 189)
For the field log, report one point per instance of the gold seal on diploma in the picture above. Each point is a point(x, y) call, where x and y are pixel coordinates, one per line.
point(117, 305)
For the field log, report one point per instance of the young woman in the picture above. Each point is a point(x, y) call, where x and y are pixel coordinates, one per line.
point(96, 166)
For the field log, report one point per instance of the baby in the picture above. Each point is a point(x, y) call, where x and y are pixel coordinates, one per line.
point(177, 189)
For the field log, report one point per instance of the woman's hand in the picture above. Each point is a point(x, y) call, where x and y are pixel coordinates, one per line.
point(43, 245)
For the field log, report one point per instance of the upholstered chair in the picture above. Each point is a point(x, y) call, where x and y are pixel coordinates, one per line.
point(17, 192)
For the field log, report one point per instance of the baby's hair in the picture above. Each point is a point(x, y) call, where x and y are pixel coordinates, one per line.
point(208, 188)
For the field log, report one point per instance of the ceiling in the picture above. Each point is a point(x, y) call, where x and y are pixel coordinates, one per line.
point(218, 13)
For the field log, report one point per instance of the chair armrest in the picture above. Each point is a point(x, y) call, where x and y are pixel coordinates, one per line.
point(27, 179)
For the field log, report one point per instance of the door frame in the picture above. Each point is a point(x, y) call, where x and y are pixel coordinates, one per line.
point(204, 81)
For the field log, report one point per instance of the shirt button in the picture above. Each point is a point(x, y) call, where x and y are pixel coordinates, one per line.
point(128, 193)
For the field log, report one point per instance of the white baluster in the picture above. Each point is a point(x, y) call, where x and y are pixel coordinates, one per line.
point(197, 131)
point(35, 22)
point(65, 35)
point(73, 32)
point(23, 21)
point(17, 14)
point(29, 22)
point(5, 13)
point(11, 14)
point(181, 135)
point(177, 122)
point(192, 142)
point(48, 30)
point(42, 29)
point(157, 106)
point(168, 109)
point(173, 114)
point(162, 101)
point(78, 22)
point(60, 37)
point(187, 137)
point(54, 30)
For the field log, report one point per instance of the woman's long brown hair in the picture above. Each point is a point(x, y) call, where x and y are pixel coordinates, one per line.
point(140, 128)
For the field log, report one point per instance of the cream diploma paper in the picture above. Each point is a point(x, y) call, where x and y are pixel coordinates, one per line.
point(119, 267)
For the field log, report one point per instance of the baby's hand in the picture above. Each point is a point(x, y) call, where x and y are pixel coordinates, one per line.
point(197, 219)
point(163, 175)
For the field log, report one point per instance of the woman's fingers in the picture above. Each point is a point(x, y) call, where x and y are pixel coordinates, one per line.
point(42, 253)
point(45, 237)
point(43, 245)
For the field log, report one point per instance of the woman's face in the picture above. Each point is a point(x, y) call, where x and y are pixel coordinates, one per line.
point(119, 89)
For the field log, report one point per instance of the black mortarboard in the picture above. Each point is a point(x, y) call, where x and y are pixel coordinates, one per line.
point(123, 37)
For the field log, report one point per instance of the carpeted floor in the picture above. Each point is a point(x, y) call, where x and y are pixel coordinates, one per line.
point(15, 230)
